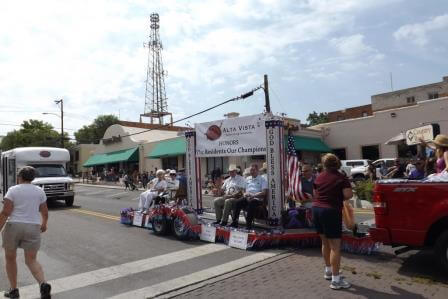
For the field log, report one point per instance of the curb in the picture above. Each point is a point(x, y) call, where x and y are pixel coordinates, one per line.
point(194, 286)
point(106, 186)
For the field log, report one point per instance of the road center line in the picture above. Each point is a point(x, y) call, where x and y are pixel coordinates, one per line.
point(183, 281)
point(105, 274)
point(97, 214)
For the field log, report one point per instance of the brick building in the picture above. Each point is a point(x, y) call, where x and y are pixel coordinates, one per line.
point(349, 113)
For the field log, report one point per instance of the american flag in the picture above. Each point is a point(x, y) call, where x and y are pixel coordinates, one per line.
point(294, 175)
point(293, 169)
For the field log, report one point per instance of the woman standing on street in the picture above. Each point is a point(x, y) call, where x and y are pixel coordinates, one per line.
point(21, 208)
point(331, 190)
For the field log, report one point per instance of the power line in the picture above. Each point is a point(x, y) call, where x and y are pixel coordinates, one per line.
point(240, 97)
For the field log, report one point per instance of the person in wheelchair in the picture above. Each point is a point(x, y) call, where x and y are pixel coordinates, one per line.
point(156, 186)
point(255, 195)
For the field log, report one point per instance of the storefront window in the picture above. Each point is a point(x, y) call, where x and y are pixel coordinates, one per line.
point(406, 151)
point(215, 162)
point(370, 152)
point(169, 163)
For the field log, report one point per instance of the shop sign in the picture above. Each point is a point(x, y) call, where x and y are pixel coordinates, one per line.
point(242, 136)
point(208, 233)
point(238, 239)
point(425, 133)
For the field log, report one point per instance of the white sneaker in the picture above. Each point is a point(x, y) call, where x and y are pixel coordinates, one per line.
point(341, 284)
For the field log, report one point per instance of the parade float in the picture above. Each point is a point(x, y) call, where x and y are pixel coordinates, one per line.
point(261, 134)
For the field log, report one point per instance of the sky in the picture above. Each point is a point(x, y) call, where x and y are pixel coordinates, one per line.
point(320, 55)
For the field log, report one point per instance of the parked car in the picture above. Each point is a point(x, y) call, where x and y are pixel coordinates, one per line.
point(359, 173)
point(412, 214)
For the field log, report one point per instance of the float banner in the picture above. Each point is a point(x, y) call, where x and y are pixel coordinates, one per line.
point(240, 136)
point(191, 170)
point(274, 140)
point(425, 133)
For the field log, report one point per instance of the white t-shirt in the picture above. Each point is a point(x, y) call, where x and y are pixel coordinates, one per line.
point(26, 199)
point(235, 184)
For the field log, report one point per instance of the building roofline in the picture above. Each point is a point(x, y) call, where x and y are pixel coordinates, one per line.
point(408, 89)
point(317, 127)
point(151, 126)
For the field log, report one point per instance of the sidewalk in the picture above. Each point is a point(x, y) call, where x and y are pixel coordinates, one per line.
point(300, 275)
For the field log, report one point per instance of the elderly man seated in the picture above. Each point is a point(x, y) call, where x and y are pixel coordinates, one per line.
point(256, 190)
point(232, 188)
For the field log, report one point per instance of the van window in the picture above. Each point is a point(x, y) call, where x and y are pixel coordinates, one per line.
point(49, 170)
point(355, 163)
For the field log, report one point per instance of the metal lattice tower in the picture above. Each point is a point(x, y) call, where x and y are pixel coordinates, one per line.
point(156, 106)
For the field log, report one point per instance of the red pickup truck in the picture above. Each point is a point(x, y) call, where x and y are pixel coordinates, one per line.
point(412, 214)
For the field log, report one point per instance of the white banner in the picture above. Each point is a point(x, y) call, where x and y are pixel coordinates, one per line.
point(275, 170)
point(241, 136)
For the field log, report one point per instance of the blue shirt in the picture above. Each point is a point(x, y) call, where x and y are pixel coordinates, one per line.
point(256, 184)
point(416, 175)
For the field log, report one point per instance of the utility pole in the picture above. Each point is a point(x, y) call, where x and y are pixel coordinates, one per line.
point(266, 94)
point(61, 101)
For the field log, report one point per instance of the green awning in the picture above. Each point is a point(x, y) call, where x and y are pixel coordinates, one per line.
point(309, 144)
point(169, 148)
point(128, 155)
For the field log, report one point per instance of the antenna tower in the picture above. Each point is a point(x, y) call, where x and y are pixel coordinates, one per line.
point(156, 106)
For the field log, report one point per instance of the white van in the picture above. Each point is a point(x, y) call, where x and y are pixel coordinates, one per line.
point(49, 163)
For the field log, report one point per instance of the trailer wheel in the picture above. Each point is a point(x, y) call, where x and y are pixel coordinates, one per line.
point(179, 228)
point(160, 225)
point(69, 201)
point(441, 249)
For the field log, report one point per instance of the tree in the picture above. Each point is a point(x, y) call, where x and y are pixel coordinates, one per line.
point(315, 118)
point(95, 131)
point(33, 133)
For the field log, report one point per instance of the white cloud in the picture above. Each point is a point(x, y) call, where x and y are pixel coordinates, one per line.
point(418, 33)
point(351, 45)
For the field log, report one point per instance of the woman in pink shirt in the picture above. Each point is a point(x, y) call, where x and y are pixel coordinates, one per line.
point(440, 143)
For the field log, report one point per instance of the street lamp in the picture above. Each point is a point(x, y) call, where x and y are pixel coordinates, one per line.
point(61, 101)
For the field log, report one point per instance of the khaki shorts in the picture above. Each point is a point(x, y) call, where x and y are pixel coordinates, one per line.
point(21, 235)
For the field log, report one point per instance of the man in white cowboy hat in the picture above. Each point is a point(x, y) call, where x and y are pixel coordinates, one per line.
point(232, 188)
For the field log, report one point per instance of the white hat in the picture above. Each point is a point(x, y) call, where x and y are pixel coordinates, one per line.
point(160, 171)
point(173, 171)
point(232, 167)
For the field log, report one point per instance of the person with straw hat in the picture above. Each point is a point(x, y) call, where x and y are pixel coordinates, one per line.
point(232, 188)
point(440, 144)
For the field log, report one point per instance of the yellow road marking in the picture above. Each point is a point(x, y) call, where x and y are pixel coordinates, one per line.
point(97, 214)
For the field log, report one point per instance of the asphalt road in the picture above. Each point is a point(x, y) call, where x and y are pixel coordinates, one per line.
point(87, 253)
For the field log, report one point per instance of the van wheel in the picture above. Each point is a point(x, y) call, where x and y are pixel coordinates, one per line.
point(441, 249)
point(160, 225)
point(69, 201)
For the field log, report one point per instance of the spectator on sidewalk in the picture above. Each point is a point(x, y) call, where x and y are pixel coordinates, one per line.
point(331, 189)
point(232, 189)
point(156, 186)
point(23, 207)
point(255, 195)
